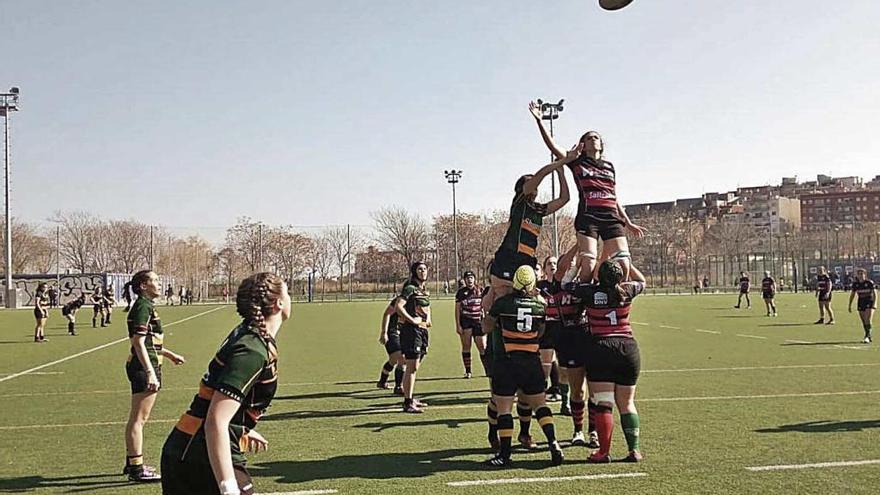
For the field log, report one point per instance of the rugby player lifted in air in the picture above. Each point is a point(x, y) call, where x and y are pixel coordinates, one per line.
point(468, 318)
point(864, 288)
point(526, 218)
point(599, 215)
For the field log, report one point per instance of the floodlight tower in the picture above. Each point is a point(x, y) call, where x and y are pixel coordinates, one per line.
point(550, 112)
point(9, 104)
point(452, 177)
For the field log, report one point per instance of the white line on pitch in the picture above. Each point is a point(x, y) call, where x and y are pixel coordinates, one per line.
point(395, 408)
point(640, 323)
point(707, 331)
point(799, 341)
point(98, 348)
point(751, 336)
point(670, 327)
point(544, 480)
point(816, 465)
point(751, 368)
point(304, 492)
point(39, 373)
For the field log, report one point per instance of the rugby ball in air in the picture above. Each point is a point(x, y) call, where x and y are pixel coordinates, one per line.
point(614, 4)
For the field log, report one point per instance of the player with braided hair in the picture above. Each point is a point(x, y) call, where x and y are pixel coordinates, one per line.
point(612, 354)
point(204, 453)
point(144, 370)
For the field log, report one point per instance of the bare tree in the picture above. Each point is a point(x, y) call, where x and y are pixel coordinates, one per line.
point(288, 250)
point(321, 259)
point(130, 244)
point(78, 241)
point(402, 232)
point(244, 239)
point(342, 243)
point(32, 250)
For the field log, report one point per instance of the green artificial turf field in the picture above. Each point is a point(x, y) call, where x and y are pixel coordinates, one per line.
point(721, 390)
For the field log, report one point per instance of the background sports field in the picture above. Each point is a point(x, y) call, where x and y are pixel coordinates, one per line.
point(722, 390)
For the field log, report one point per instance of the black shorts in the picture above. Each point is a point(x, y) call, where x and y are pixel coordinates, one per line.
point(65, 311)
point(137, 377)
point(413, 342)
point(571, 345)
point(194, 475)
point(768, 294)
point(41, 313)
point(517, 371)
point(825, 296)
point(613, 359)
point(393, 343)
point(475, 327)
point(866, 304)
point(744, 291)
point(551, 332)
point(97, 308)
point(600, 223)
point(504, 264)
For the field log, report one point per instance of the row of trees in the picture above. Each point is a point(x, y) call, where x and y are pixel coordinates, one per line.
point(677, 249)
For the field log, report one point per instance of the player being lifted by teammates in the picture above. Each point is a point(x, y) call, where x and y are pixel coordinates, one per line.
point(599, 215)
point(517, 322)
point(526, 219)
point(823, 296)
point(744, 286)
point(863, 287)
point(414, 315)
point(768, 293)
point(468, 321)
point(612, 355)
point(389, 336)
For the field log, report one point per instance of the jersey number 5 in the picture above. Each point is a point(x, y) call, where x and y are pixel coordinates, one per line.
point(524, 319)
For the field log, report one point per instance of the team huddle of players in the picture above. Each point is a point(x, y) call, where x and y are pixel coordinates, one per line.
point(577, 316)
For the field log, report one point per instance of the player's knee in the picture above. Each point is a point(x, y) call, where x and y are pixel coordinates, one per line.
point(604, 399)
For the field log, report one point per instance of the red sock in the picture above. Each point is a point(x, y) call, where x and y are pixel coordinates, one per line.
point(604, 427)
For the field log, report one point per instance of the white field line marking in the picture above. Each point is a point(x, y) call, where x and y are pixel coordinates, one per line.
point(98, 348)
point(396, 408)
point(304, 492)
point(310, 384)
point(851, 347)
point(547, 479)
point(670, 327)
point(707, 331)
point(814, 465)
point(39, 373)
point(640, 323)
point(799, 341)
point(751, 336)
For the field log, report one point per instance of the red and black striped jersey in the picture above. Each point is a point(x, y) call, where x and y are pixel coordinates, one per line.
point(471, 303)
point(865, 290)
point(744, 283)
point(768, 284)
point(607, 316)
point(823, 284)
point(596, 182)
point(572, 311)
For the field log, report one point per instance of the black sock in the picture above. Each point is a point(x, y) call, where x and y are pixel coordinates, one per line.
point(492, 418)
point(485, 363)
point(70, 327)
point(525, 418)
point(398, 375)
point(505, 434)
point(545, 419)
point(466, 360)
point(386, 369)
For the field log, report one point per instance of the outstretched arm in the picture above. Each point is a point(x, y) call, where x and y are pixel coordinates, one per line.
point(532, 184)
point(636, 275)
point(637, 230)
point(563, 198)
point(535, 110)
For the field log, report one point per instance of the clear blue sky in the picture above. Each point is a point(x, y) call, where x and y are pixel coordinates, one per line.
point(308, 113)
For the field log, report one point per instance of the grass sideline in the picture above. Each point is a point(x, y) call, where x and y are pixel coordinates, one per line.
point(722, 390)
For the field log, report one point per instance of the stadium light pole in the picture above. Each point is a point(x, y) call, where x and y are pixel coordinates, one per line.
point(452, 177)
point(550, 112)
point(10, 104)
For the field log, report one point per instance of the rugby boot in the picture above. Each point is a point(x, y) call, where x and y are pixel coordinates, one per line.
point(556, 455)
point(633, 456)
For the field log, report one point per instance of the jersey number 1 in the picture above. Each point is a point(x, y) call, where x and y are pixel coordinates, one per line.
point(613, 317)
point(524, 319)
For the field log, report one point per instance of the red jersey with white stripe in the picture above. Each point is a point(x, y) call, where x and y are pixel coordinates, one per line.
point(608, 316)
point(596, 182)
point(550, 290)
